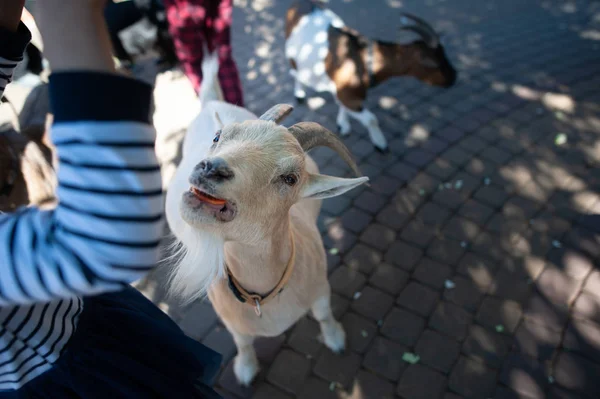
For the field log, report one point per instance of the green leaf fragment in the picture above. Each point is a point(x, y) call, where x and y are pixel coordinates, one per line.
point(364, 334)
point(332, 386)
point(410, 357)
point(334, 251)
point(559, 115)
point(560, 139)
point(500, 328)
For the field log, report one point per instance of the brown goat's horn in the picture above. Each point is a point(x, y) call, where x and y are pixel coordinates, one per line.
point(311, 135)
point(277, 113)
point(423, 29)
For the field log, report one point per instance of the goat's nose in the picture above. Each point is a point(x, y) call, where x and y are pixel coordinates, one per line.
point(215, 169)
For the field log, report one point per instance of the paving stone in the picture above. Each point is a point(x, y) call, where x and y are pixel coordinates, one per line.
point(267, 348)
point(465, 293)
point(370, 386)
point(557, 286)
point(403, 255)
point(592, 284)
point(315, 387)
point(338, 368)
point(389, 279)
point(385, 358)
point(491, 195)
point(417, 233)
point(402, 326)
point(372, 303)
point(587, 306)
point(524, 375)
point(359, 332)
point(511, 286)
point(198, 320)
point(437, 351)
point(559, 393)
point(496, 155)
point(536, 340)
point(346, 281)
point(303, 338)
point(494, 312)
point(336, 205)
point(370, 202)
point(355, 220)
point(393, 216)
point(220, 340)
point(478, 269)
point(448, 251)
point(520, 208)
point(419, 158)
point(432, 273)
point(578, 374)
point(338, 237)
point(472, 379)
point(339, 305)
point(266, 391)
point(441, 168)
point(424, 183)
point(385, 185)
point(432, 214)
point(487, 345)
point(583, 337)
point(450, 395)
point(378, 236)
point(451, 320)
point(290, 379)
point(541, 311)
point(419, 381)
point(476, 211)
point(456, 155)
point(418, 298)
point(461, 229)
point(486, 245)
point(362, 258)
point(573, 263)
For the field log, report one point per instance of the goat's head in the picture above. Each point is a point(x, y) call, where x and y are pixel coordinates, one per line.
point(432, 66)
point(255, 171)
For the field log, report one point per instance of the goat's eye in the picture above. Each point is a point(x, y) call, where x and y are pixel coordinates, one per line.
point(217, 136)
point(290, 180)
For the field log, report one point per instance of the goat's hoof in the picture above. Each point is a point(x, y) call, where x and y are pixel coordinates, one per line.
point(300, 100)
point(384, 151)
point(245, 369)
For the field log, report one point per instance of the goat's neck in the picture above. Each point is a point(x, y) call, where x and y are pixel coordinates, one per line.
point(392, 59)
point(259, 267)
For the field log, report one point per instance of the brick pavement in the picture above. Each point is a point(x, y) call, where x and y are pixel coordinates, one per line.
point(476, 245)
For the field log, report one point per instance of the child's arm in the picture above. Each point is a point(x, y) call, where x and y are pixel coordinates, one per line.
point(107, 226)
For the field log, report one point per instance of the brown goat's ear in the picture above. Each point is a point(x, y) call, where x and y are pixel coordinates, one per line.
point(322, 186)
point(277, 113)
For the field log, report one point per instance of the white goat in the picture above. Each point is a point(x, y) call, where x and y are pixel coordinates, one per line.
point(329, 57)
point(244, 204)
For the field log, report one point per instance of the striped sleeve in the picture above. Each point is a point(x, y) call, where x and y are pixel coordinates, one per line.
point(12, 47)
point(106, 228)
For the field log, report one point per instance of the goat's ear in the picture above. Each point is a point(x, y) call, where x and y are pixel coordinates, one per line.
point(218, 120)
point(322, 186)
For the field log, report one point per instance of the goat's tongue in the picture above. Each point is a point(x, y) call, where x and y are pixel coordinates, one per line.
point(207, 198)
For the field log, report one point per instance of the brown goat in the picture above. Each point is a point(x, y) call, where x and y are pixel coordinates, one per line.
point(329, 57)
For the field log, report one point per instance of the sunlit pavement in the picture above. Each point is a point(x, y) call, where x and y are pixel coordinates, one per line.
point(476, 247)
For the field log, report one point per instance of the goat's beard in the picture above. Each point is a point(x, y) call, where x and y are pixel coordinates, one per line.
point(199, 263)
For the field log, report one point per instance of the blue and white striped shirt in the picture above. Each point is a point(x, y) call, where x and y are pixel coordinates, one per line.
point(103, 234)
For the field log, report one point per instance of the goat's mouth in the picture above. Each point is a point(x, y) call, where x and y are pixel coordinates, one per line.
point(199, 200)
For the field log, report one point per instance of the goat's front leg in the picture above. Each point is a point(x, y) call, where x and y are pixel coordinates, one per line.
point(333, 333)
point(370, 122)
point(343, 122)
point(245, 365)
point(299, 92)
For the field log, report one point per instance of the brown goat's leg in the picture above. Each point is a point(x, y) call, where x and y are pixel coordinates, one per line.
point(245, 364)
point(333, 333)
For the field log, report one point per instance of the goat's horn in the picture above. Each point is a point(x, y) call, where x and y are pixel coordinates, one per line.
point(422, 28)
point(277, 113)
point(311, 135)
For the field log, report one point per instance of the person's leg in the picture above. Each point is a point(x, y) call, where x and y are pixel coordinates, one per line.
point(186, 25)
point(220, 38)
